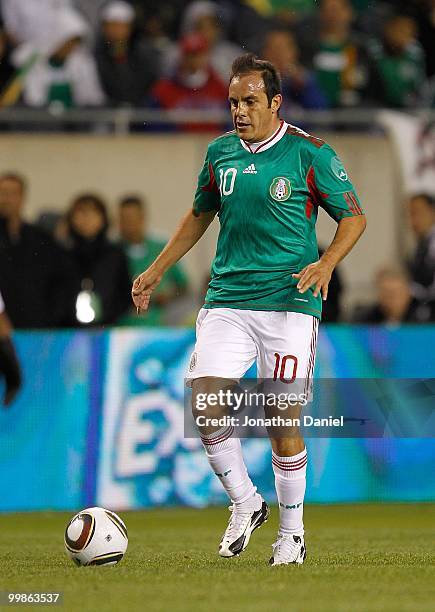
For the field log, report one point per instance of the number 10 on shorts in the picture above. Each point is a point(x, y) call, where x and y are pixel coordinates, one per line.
point(285, 368)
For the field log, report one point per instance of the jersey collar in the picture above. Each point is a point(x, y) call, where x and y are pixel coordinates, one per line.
point(259, 147)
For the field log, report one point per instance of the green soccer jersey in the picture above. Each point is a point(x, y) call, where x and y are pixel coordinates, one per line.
point(267, 204)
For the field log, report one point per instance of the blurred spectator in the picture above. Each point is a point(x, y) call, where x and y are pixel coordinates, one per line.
point(48, 220)
point(194, 84)
point(422, 266)
point(395, 303)
point(6, 67)
point(362, 5)
point(428, 93)
point(424, 13)
point(246, 26)
point(299, 86)
point(206, 18)
point(54, 224)
point(36, 275)
point(91, 11)
point(397, 64)
point(286, 11)
point(160, 21)
point(103, 294)
point(64, 73)
point(336, 53)
point(126, 63)
point(31, 22)
point(9, 366)
point(141, 250)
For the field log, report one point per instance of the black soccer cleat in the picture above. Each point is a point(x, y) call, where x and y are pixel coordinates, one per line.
point(288, 549)
point(240, 527)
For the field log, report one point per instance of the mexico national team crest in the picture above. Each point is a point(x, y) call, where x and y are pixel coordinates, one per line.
point(280, 189)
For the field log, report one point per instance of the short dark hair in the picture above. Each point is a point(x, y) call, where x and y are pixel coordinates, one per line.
point(14, 176)
point(92, 198)
point(133, 200)
point(430, 199)
point(244, 64)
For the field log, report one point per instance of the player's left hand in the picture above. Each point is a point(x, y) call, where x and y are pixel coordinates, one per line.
point(143, 287)
point(316, 275)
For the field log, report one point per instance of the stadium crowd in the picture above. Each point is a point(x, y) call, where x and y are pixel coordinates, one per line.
point(68, 271)
point(171, 54)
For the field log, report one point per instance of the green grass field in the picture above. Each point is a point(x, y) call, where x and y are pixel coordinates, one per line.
point(360, 558)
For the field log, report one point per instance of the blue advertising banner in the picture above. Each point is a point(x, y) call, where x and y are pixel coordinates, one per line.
point(100, 421)
point(145, 459)
point(43, 436)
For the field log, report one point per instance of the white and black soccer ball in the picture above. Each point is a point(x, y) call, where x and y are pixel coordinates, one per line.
point(96, 536)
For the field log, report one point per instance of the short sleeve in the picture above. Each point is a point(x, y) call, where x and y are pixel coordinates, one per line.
point(2, 304)
point(330, 186)
point(207, 195)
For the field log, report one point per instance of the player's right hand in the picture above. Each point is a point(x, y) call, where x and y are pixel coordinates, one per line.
point(143, 286)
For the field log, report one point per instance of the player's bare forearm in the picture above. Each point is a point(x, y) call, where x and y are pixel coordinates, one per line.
point(318, 274)
point(349, 231)
point(185, 237)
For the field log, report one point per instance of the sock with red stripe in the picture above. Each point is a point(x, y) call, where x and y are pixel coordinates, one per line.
point(290, 481)
point(224, 454)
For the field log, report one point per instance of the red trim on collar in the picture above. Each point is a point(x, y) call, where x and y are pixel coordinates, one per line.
point(267, 141)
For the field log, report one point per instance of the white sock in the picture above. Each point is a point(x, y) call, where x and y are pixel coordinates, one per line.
point(290, 481)
point(224, 454)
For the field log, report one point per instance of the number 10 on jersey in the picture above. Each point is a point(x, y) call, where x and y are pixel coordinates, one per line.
point(227, 179)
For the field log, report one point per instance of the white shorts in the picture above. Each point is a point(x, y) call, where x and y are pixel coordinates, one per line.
point(228, 341)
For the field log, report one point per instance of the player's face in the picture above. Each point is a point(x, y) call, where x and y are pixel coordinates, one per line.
point(253, 118)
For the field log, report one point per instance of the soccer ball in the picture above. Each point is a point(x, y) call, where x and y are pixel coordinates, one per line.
point(96, 536)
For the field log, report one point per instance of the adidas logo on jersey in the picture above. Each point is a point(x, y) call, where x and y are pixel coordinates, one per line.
point(250, 169)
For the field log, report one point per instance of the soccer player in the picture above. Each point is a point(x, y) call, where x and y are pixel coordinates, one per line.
point(265, 180)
